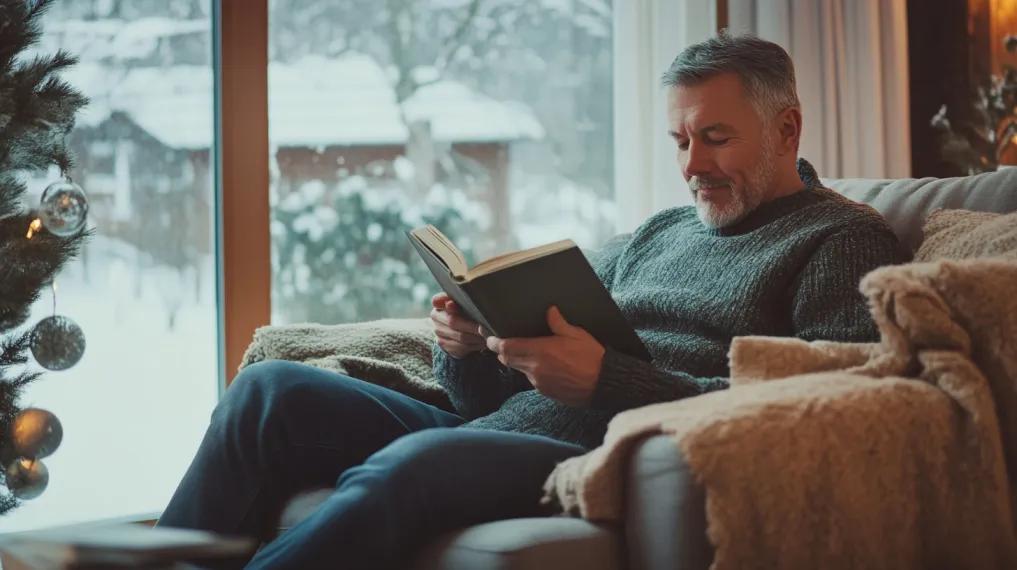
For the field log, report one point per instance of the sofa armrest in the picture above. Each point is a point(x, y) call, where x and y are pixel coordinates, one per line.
point(665, 518)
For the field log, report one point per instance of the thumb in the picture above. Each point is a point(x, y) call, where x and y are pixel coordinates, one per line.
point(558, 325)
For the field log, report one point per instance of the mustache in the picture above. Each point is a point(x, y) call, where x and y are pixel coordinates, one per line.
point(696, 183)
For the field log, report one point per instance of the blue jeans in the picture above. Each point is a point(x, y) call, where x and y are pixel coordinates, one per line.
point(401, 476)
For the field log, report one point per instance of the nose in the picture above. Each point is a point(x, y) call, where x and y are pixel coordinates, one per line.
point(698, 160)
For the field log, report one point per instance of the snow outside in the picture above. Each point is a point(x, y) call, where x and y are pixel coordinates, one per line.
point(488, 118)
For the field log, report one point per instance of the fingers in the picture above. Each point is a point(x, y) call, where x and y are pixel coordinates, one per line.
point(443, 302)
point(455, 322)
point(439, 300)
point(466, 339)
point(458, 343)
point(513, 348)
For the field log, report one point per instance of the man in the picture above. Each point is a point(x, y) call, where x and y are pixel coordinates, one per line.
point(764, 251)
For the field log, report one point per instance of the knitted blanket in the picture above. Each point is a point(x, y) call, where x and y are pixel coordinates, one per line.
point(394, 353)
point(900, 454)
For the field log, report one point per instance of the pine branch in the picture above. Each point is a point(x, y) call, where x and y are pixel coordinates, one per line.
point(13, 351)
point(11, 191)
point(7, 502)
point(36, 262)
point(39, 9)
point(37, 109)
point(10, 392)
point(15, 33)
point(19, 27)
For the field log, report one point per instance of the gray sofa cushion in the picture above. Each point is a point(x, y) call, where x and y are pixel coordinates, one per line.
point(530, 543)
point(907, 202)
point(665, 519)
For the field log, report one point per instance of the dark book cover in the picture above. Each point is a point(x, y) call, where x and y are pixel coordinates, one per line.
point(513, 301)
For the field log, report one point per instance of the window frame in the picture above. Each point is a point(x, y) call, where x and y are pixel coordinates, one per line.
point(244, 281)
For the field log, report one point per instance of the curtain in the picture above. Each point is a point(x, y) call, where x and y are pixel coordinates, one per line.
point(648, 35)
point(851, 64)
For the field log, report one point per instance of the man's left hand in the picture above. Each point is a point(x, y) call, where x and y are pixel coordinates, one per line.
point(564, 366)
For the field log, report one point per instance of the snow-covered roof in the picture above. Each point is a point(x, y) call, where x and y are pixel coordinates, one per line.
point(115, 39)
point(313, 102)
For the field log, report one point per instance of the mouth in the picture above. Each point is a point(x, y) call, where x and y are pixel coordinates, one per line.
point(710, 192)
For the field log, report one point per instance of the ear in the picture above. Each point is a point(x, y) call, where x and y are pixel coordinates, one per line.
point(789, 131)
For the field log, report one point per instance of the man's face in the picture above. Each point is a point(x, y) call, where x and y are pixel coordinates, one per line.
point(726, 154)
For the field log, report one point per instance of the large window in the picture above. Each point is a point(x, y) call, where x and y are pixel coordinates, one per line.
point(491, 119)
point(134, 408)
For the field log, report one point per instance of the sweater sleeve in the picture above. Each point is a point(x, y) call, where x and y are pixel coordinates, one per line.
point(477, 384)
point(826, 303)
point(626, 382)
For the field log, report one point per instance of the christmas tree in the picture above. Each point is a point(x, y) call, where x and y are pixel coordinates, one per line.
point(37, 112)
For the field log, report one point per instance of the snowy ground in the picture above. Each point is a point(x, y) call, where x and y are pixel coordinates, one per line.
point(134, 408)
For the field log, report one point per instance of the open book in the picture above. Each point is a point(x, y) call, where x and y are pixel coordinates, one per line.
point(509, 294)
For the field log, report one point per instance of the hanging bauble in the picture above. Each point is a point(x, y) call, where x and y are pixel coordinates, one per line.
point(26, 478)
point(36, 433)
point(64, 208)
point(57, 343)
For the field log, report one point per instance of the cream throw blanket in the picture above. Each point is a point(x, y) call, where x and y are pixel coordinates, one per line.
point(828, 455)
point(394, 353)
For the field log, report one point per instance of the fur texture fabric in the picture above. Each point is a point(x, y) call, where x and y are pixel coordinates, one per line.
point(394, 353)
point(899, 454)
point(962, 234)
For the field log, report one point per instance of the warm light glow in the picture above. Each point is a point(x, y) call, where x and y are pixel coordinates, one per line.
point(1013, 139)
point(33, 228)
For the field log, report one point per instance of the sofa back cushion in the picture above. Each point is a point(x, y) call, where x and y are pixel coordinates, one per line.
point(962, 234)
point(906, 202)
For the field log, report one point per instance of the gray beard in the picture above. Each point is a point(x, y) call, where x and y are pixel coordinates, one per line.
point(743, 200)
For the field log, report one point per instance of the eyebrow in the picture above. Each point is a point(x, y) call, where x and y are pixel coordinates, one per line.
point(715, 127)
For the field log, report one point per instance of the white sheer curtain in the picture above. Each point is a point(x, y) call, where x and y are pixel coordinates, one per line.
point(648, 35)
point(851, 63)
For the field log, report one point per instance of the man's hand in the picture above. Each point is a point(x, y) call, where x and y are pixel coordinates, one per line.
point(564, 366)
point(457, 334)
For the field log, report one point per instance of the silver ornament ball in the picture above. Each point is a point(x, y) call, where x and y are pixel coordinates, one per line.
point(57, 343)
point(63, 208)
point(26, 478)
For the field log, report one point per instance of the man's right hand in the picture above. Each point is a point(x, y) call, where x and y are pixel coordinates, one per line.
point(457, 334)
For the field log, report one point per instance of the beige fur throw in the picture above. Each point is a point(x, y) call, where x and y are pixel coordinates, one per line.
point(394, 353)
point(827, 455)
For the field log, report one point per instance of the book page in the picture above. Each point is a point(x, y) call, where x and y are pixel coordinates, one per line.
point(443, 249)
point(509, 259)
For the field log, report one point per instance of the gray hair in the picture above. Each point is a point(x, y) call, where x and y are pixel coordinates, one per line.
point(765, 69)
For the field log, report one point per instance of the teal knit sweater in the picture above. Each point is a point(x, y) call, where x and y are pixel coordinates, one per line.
point(790, 268)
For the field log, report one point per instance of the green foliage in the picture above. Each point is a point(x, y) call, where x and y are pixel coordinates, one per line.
point(976, 146)
point(341, 260)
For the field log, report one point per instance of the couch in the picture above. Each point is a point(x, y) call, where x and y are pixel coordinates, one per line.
point(671, 533)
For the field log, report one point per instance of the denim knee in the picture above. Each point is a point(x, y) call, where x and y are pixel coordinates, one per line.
point(267, 385)
point(429, 450)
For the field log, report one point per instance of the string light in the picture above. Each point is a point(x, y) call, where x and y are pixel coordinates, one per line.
point(33, 228)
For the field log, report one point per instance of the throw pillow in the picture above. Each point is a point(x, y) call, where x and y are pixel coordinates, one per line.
point(963, 234)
